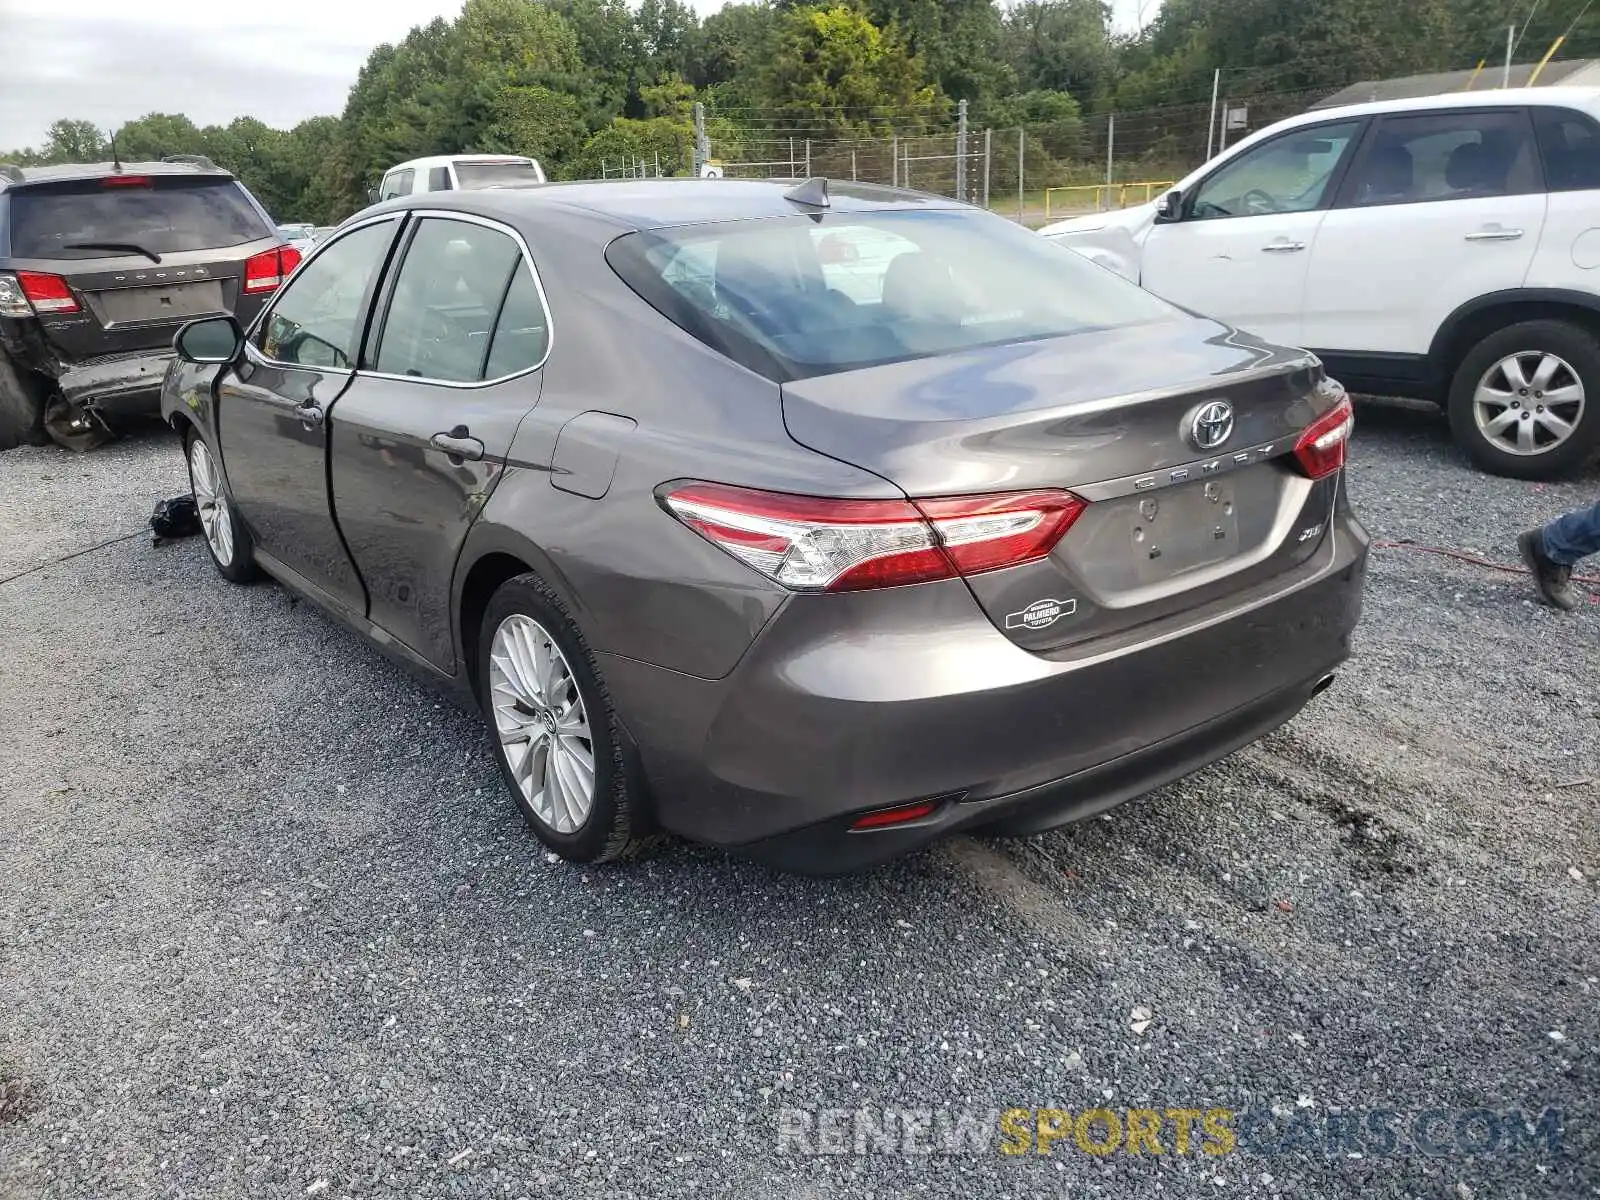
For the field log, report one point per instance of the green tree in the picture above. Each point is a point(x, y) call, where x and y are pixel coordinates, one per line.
point(834, 72)
point(1063, 46)
point(74, 142)
point(958, 42)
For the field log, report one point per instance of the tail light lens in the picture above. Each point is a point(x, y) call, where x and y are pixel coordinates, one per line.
point(126, 181)
point(1321, 448)
point(265, 271)
point(12, 302)
point(902, 814)
point(49, 294)
point(820, 545)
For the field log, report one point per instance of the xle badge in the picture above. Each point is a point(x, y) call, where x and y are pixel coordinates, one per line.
point(1041, 614)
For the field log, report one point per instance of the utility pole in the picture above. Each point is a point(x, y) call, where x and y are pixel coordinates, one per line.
point(1211, 129)
point(1511, 45)
point(894, 161)
point(961, 150)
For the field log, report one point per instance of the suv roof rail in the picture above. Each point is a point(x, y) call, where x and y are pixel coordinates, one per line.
point(11, 172)
point(195, 160)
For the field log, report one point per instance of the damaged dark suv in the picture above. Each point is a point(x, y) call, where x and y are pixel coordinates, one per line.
point(99, 266)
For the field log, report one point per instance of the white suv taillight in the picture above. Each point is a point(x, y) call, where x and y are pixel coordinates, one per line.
point(1321, 448)
point(813, 544)
point(12, 302)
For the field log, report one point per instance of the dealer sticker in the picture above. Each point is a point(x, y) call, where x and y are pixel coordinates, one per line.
point(1041, 614)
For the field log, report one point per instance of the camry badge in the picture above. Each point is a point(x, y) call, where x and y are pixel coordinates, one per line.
point(1041, 614)
point(1212, 424)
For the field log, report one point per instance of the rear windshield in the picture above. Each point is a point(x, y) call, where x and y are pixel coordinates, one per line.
point(164, 215)
point(488, 174)
point(792, 297)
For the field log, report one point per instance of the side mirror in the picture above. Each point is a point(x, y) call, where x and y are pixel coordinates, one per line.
point(210, 341)
point(372, 195)
point(1170, 206)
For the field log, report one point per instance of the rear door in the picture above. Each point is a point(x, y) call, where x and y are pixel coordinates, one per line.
point(1569, 250)
point(141, 254)
point(419, 439)
point(1439, 208)
point(1243, 248)
point(272, 411)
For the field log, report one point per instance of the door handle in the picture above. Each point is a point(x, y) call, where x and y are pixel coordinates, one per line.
point(1283, 246)
point(1495, 234)
point(458, 444)
point(310, 414)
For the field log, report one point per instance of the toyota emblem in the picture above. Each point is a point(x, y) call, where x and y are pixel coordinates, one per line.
point(1212, 425)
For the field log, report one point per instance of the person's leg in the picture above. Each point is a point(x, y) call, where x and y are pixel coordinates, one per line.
point(1574, 536)
point(1550, 552)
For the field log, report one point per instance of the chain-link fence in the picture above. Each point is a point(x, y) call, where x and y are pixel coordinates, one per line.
point(1034, 172)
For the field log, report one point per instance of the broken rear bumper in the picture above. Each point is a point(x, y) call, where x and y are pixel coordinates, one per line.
point(124, 384)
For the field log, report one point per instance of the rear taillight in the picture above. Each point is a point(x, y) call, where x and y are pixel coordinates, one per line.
point(1321, 448)
point(823, 545)
point(126, 181)
point(901, 814)
point(265, 271)
point(49, 294)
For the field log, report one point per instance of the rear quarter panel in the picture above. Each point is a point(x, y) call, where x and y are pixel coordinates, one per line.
point(640, 584)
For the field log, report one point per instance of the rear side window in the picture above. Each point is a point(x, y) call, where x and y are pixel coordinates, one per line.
point(493, 174)
point(1570, 145)
point(439, 179)
point(446, 300)
point(791, 297)
point(1445, 156)
point(522, 334)
point(132, 215)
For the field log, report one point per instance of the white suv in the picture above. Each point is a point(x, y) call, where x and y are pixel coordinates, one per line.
point(1444, 247)
point(457, 172)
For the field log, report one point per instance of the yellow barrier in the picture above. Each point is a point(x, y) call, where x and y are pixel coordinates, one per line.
point(1098, 195)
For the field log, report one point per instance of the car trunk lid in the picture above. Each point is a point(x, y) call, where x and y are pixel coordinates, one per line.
point(1111, 416)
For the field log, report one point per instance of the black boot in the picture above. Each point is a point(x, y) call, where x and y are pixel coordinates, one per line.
point(1553, 580)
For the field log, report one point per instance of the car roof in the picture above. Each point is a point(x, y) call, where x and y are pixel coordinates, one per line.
point(662, 203)
point(67, 172)
point(1559, 97)
point(442, 160)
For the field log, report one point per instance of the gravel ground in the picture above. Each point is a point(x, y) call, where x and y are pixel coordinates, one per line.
point(269, 928)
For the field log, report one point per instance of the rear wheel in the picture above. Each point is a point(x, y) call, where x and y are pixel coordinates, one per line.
point(227, 539)
point(21, 406)
point(1525, 401)
point(556, 735)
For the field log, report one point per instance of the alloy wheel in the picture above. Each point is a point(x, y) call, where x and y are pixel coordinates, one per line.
point(211, 501)
point(1528, 403)
point(541, 722)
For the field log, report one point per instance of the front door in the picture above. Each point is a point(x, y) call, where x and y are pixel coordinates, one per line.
point(1243, 248)
point(420, 437)
point(272, 410)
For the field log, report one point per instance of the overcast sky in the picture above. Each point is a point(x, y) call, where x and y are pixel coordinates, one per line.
point(109, 61)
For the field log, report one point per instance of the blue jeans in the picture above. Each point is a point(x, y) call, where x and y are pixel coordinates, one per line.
point(1574, 536)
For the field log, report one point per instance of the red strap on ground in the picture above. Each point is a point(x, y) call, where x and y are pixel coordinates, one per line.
point(1590, 581)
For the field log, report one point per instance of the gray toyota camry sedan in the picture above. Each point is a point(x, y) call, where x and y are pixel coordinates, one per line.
point(810, 520)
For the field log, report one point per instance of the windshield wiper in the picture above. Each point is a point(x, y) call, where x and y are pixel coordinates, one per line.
point(132, 247)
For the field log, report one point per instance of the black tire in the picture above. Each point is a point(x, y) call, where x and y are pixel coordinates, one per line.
point(1574, 346)
point(21, 407)
point(241, 566)
point(616, 825)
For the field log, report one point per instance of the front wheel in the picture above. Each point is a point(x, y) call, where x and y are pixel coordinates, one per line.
point(556, 736)
point(1525, 401)
point(227, 539)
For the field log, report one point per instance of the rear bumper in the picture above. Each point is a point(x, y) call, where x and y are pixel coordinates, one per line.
point(855, 702)
point(128, 384)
